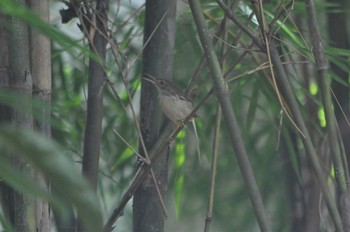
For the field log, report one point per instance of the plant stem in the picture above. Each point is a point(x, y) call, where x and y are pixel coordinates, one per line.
point(229, 116)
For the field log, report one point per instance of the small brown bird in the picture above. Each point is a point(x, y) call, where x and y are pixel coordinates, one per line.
point(174, 103)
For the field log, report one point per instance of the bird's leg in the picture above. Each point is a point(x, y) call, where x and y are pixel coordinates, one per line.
point(183, 124)
point(171, 139)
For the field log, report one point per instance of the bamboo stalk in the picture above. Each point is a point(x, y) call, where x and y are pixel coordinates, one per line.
point(229, 117)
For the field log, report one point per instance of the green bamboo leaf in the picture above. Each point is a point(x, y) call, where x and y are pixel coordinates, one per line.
point(64, 177)
point(179, 194)
point(20, 182)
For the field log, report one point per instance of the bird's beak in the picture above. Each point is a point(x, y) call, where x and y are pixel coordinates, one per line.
point(150, 79)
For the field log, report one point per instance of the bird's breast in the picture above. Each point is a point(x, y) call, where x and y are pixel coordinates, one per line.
point(175, 108)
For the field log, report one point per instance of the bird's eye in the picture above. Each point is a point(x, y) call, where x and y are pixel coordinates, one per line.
point(161, 82)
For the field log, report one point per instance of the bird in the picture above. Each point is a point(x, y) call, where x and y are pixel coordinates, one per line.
point(175, 104)
point(173, 101)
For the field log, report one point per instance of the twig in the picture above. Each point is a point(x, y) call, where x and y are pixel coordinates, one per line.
point(243, 27)
point(213, 169)
point(129, 146)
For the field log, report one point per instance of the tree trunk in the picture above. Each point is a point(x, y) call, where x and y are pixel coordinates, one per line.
point(97, 75)
point(5, 114)
point(159, 34)
point(18, 207)
point(93, 128)
point(41, 70)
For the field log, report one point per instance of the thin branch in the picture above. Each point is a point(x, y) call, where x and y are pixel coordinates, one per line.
point(341, 108)
point(277, 90)
point(215, 155)
point(279, 14)
point(165, 212)
point(131, 148)
point(243, 27)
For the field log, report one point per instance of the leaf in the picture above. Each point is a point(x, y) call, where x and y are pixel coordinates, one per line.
point(64, 177)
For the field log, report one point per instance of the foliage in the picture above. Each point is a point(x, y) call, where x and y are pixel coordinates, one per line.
point(58, 168)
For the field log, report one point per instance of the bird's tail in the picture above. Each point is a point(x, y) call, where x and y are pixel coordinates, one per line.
point(197, 140)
